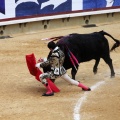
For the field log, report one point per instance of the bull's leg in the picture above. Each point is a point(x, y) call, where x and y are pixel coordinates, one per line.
point(96, 65)
point(108, 60)
point(73, 72)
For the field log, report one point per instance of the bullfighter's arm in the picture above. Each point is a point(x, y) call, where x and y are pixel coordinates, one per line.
point(42, 64)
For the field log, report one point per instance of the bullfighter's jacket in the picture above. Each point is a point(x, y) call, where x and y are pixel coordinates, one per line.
point(56, 61)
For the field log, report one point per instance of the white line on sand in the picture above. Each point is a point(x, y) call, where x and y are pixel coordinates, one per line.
point(76, 114)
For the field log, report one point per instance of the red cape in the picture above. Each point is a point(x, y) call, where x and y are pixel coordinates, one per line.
point(31, 61)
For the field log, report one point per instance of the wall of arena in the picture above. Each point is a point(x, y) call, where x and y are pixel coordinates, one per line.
point(24, 16)
point(44, 25)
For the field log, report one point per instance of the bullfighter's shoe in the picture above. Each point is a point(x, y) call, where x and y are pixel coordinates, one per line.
point(86, 89)
point(48, 94)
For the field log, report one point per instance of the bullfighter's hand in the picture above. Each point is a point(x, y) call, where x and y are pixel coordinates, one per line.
point(42, 60)
point(37, 65)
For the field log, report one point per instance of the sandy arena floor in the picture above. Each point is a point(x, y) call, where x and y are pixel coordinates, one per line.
point(20, 92)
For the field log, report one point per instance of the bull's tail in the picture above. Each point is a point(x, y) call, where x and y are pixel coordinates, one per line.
point(117, 44)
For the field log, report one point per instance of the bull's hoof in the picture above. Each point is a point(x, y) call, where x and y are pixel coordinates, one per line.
point(113, 76)
point(95, 73)
point(50, 94)
point(86, 90)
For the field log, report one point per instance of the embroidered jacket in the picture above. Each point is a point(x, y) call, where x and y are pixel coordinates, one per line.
point(56, 61)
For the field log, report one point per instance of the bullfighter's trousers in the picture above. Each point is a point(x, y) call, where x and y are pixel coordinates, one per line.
point(64, 76)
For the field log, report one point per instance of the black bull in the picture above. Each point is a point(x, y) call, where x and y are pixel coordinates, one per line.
point(86, 47)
